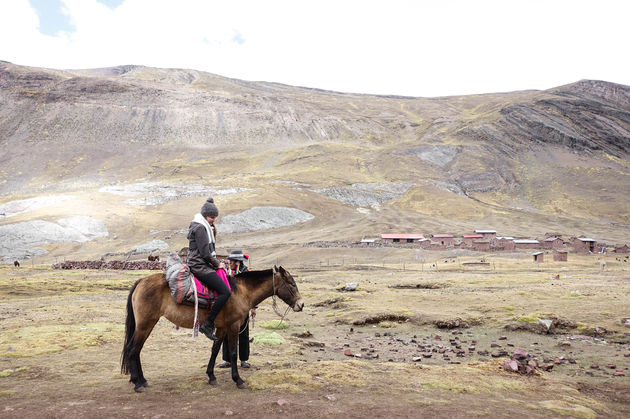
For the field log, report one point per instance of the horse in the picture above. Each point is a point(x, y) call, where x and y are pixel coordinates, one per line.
point(152, 258)
point(150, 298)
point(16, 263)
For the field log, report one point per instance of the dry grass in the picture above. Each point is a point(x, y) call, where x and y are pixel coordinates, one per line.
point(74, 334)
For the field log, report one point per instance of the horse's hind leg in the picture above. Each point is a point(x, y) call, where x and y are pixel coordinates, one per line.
point(213, 356)
point(143, 330)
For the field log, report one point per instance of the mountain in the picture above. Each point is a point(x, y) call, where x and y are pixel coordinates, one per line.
point(523, 163)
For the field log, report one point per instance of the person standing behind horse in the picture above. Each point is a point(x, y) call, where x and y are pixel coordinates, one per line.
point(236, 262)
point(203, 263)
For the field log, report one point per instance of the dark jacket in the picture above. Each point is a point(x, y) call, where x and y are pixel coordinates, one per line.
point(200, 259)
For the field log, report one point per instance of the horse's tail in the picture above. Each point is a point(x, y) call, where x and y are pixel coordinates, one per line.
point(130, 330)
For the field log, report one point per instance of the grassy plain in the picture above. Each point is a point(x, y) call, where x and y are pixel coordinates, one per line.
point(61, 334)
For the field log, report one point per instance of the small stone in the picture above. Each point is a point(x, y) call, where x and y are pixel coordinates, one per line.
point(627, 355)
point(503, 338)
point(546, 367)
point(228, 413)
point(471, 348)
point(331, 397)
point(348, 352)
point(511, 345)
point(611, 366)
point(437, 337)
point(595, 366)
point(427, 355)
point(282, 402)
point(378, 335)
point(619, 374)
point(416, 359)
point(520, 354)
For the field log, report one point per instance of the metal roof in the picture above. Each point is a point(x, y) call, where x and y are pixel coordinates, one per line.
point(585, 239)
point(537, 253)
point(473, 236)
point(442, 236)
point(402, 236)
point(551, 239)
point(526, 241)
point(505, 238)
point(486, 231)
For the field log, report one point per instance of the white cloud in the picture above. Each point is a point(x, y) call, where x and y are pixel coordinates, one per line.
point(394, 47)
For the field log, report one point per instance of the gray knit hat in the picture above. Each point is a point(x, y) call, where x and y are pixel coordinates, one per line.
point(209, 209)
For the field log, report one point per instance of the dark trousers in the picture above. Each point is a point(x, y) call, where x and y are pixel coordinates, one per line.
point(243, 344)
point(215, 283)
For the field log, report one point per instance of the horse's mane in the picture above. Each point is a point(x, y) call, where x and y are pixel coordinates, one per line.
point(254, 277)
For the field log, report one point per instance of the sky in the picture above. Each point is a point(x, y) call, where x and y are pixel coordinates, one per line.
point(398, 47)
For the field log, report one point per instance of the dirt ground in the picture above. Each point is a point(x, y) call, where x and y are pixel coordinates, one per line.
point(413, 342)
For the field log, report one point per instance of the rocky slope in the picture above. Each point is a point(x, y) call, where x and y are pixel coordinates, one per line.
point(524, 162)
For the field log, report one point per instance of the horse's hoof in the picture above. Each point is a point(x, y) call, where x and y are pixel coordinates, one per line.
point(139, 388)
point(145, 384)
point(242, 386)
point(213, 382)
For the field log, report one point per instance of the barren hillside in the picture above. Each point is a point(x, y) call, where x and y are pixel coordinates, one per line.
point(138, 149)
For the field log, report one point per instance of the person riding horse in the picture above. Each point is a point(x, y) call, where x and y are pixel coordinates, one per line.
point(203, 263)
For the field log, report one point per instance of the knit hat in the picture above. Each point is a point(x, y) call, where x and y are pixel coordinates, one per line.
point(209, 209)
point(237, 255)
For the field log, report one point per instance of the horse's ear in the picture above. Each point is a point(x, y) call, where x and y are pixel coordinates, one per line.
point(275, 268)
point(282, 269)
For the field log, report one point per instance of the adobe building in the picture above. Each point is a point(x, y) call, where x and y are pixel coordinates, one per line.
point(560, 256)
point(503, 243)
point(481, 245)
point(584, 245)
point(538, 257)
point(487, 234)
point(467, 239)
point(553, 243)
point(402, 238)
point(443, 239)
point(526, 244)
point(424, 243)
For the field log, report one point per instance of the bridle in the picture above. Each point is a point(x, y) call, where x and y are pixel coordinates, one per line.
point(273, 298)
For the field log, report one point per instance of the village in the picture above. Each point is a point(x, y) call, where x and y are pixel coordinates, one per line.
point(488, 240)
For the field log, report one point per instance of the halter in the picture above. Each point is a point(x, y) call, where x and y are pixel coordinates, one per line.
point(273, 298)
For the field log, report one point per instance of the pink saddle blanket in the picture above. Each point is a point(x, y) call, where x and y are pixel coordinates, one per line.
point(202, 290)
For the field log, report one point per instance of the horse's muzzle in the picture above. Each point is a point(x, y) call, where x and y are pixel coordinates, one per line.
point(299, 305)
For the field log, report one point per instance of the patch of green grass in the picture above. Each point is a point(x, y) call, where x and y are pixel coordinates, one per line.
point(268, 338)
point(275, 325)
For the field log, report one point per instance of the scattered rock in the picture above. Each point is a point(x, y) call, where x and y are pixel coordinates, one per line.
point(416, 359)
point(619, 374)
point(503, 338)
point(228, 413)
point(611, 366)
point(547, 366)
point(281, 402)
point(331, 397)
point(595, 366)
point(348, 352)
point(520, 354)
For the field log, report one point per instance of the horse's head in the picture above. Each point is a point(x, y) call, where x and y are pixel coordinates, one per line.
point(286, 288)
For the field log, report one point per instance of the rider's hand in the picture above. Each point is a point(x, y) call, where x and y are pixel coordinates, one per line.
point(221, 265)
point(253, 313)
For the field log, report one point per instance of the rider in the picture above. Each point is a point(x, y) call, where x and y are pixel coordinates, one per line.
point(236, 261)
point(203, 263)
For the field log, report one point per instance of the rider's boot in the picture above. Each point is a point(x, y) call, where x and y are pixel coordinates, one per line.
point(207, 328)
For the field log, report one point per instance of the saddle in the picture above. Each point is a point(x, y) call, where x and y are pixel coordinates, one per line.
point(184, 285)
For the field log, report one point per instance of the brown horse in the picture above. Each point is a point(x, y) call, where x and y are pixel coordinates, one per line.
point(150, 298)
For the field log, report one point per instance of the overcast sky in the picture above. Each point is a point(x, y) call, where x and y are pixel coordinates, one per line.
point(414, 48)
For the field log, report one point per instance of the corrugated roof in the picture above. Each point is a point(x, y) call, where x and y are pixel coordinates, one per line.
point(473, 236)
point(442, 236)
point(585, 239)
point(537, 253)
point(526, 241)
point(505, 238)
point(402, 236)
point(486, 231)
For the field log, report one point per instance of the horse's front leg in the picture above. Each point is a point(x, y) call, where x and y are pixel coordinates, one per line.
point(212, 380)
point(233, 346)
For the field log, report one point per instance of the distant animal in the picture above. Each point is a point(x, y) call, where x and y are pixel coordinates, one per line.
point(154, 258)
point(150, 298)
point(16, 264)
